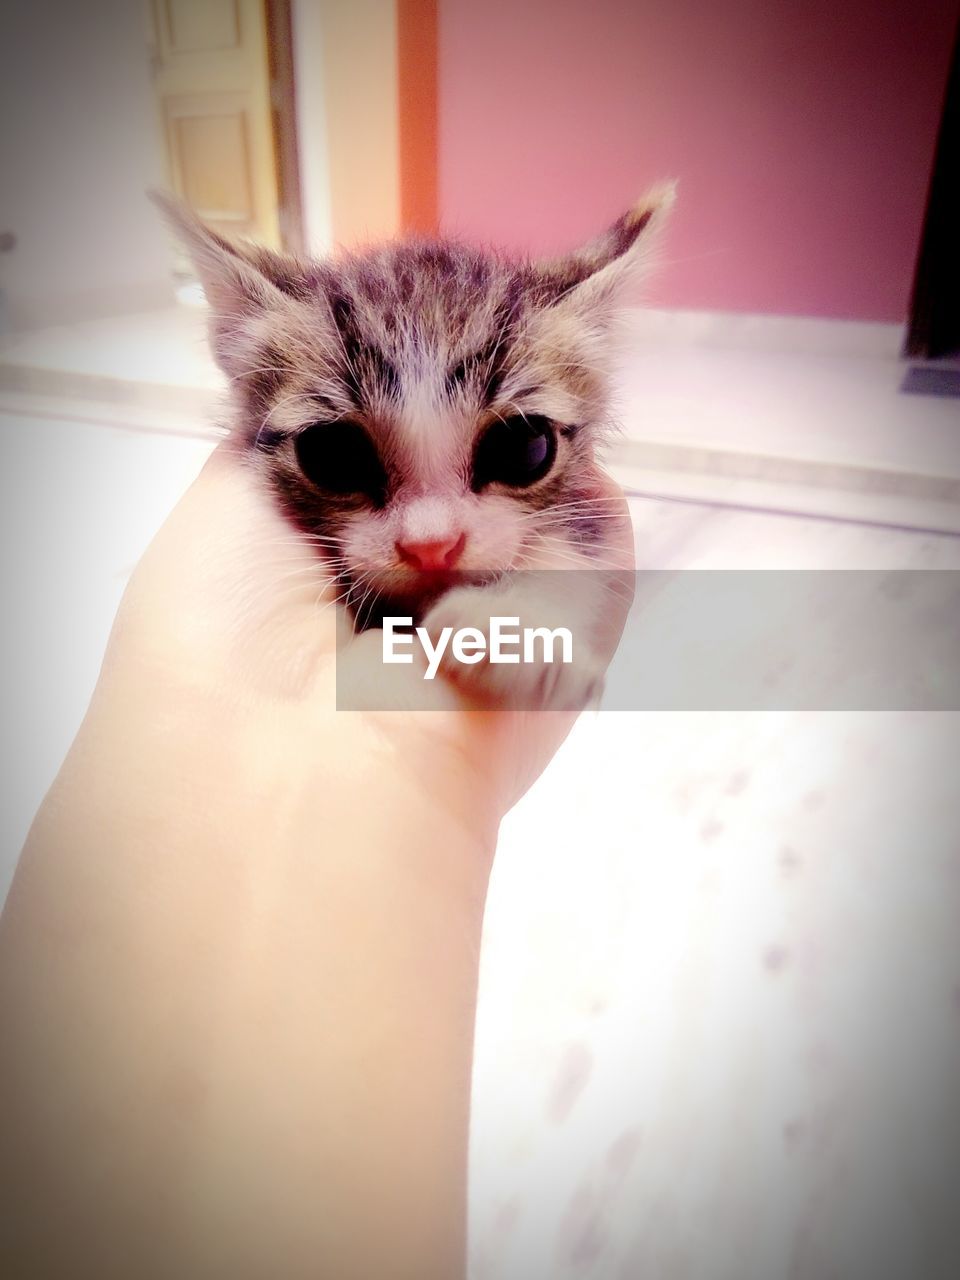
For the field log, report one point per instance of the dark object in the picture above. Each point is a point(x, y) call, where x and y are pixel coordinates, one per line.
point(515, 451)
point(339, 457)
point(932, 380)
point(934, 331)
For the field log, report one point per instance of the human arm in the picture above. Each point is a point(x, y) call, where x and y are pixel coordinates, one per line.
point(238, 963)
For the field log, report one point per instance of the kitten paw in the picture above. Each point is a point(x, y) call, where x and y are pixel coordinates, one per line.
point(532, 682)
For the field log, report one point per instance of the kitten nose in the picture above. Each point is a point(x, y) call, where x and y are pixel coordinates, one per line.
point(439, 553)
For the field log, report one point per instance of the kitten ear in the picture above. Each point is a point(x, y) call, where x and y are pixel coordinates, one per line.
point(604, 269)
point(241, 281)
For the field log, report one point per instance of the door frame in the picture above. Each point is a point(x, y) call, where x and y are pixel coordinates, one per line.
point(283, 105)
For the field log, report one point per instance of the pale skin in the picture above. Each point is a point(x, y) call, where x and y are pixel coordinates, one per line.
point(238, 964)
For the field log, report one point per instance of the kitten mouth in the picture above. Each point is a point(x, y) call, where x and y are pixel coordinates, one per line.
point(403, 596)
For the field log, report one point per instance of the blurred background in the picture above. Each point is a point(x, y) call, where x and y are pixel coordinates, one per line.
point(803, 136)
point(719, 1029)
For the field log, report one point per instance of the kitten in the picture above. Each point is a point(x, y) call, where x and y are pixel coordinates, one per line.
point(428, 414)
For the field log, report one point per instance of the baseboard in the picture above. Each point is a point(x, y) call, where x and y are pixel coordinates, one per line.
point(91, 389)
point(746, 332)
point(860, 495)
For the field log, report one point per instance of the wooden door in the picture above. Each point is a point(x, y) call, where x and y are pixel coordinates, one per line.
point(211, 72)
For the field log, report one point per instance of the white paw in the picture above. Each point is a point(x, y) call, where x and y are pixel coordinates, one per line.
point(532, 682)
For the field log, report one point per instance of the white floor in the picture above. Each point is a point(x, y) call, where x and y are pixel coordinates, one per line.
point(719, 1028)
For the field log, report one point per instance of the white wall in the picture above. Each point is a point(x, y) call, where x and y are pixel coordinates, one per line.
point(79, 145)
point(347, 104)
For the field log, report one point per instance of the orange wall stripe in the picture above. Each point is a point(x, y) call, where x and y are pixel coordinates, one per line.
point(417, 117)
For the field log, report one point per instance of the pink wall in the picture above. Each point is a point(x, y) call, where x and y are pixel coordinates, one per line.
point(802, 135)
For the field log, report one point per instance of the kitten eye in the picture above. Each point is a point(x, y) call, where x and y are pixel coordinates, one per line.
point(516, 451)
point(341, 458)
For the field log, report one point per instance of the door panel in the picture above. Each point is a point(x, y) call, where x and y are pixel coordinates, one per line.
point(213, 89)
point(211, 160)
point(198, 26)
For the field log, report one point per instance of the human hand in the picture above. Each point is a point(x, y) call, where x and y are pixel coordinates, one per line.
point(230, 622)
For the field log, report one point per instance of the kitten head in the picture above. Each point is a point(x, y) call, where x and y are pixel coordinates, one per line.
point(424, 408)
